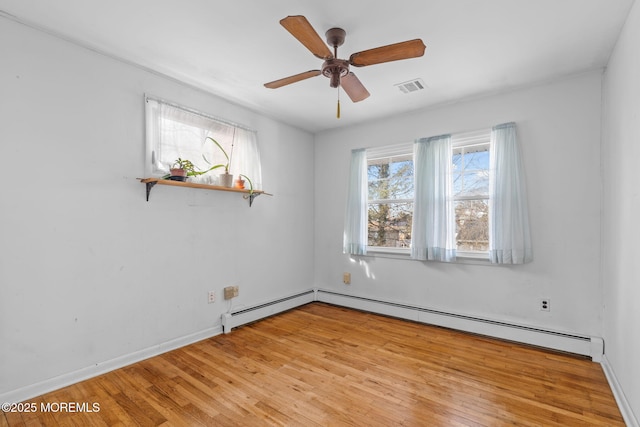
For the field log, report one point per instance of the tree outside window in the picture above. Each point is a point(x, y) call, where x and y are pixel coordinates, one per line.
point(390, 208)
point(470, 170)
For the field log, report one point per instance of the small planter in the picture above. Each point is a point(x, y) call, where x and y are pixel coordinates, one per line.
point(178, 174)
point(226, 180)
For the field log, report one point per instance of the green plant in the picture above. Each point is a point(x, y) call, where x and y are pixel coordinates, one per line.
point(184, 164)
point(224, 165)
point(250, 183)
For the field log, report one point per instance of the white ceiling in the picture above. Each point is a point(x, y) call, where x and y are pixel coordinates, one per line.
point(231, 48)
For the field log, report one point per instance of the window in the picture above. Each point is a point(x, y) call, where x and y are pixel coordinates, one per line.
point(441, 197)
point(470, 174)
point(390, 199)
point(173, 132)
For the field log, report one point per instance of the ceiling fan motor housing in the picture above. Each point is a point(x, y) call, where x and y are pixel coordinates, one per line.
point(335, 69)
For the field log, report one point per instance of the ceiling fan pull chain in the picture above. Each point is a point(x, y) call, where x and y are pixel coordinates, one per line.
point(338, 111)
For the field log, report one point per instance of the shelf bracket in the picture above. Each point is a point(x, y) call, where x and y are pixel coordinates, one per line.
point(251, 196)
point(149, 187)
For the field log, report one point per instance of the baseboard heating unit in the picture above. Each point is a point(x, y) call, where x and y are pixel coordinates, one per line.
point(572, 343)
point(251, 314)
point(556, 340)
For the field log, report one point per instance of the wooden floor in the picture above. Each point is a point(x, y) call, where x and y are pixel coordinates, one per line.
point(325, 365)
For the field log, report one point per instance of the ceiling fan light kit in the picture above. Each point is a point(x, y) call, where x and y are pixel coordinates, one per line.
point(336, 69)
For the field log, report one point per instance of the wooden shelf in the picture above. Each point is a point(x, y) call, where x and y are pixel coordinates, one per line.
point(246, 194)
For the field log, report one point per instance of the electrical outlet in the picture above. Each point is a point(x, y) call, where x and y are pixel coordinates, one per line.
point(212, 297)
point(346, 278)
point(545, 304)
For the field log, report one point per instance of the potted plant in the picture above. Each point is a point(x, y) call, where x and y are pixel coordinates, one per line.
point(180, 169)
point(226, 179)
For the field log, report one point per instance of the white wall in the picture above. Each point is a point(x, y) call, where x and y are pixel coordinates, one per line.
point(621, 228)
point(91, 273)
point(559, 129)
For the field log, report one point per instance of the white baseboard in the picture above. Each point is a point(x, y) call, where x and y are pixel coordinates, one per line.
point(623, 404)
point(46, 386)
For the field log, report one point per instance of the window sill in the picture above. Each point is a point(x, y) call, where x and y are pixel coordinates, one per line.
point(405, 254)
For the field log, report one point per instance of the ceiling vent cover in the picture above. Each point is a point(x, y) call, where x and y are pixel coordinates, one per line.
point(411, 86)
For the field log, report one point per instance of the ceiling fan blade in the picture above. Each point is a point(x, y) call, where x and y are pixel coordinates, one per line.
point(292, 79)
point(353, 87)
point(393, 52)
point(302, 30)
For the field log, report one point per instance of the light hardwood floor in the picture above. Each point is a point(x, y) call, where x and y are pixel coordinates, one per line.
point(326, 365)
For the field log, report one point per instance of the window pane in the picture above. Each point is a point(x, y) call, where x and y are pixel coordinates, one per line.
point(390, 224)
point(477, 158)
point(472, 225)
point(390, 179)
point(471, 183)
point(180, 140)
point(470, 169)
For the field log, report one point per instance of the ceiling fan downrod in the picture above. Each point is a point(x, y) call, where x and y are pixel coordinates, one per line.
point(335, 68)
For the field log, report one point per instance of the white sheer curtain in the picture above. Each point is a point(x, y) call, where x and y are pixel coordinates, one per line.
point(355, 223)
point(509, 235)
point(174, 131)
point(246, 157)
point(433, 230)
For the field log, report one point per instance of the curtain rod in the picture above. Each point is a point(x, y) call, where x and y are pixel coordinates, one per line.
point(200, 113)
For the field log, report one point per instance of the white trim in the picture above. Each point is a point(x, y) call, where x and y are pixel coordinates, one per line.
point(402, 252)
point(46, 386)
point(623, 404)
point(477, 137)
point(386, 151)
point(462, 257)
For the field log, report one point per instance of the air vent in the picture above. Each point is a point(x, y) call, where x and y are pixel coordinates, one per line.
point(411, 86)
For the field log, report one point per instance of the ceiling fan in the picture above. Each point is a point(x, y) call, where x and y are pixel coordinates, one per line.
point(337, 70)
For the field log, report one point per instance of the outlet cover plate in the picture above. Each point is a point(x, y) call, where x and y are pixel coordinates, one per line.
point(545, 304)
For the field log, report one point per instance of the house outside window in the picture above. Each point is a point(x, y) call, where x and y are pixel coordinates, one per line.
point(391, 195)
